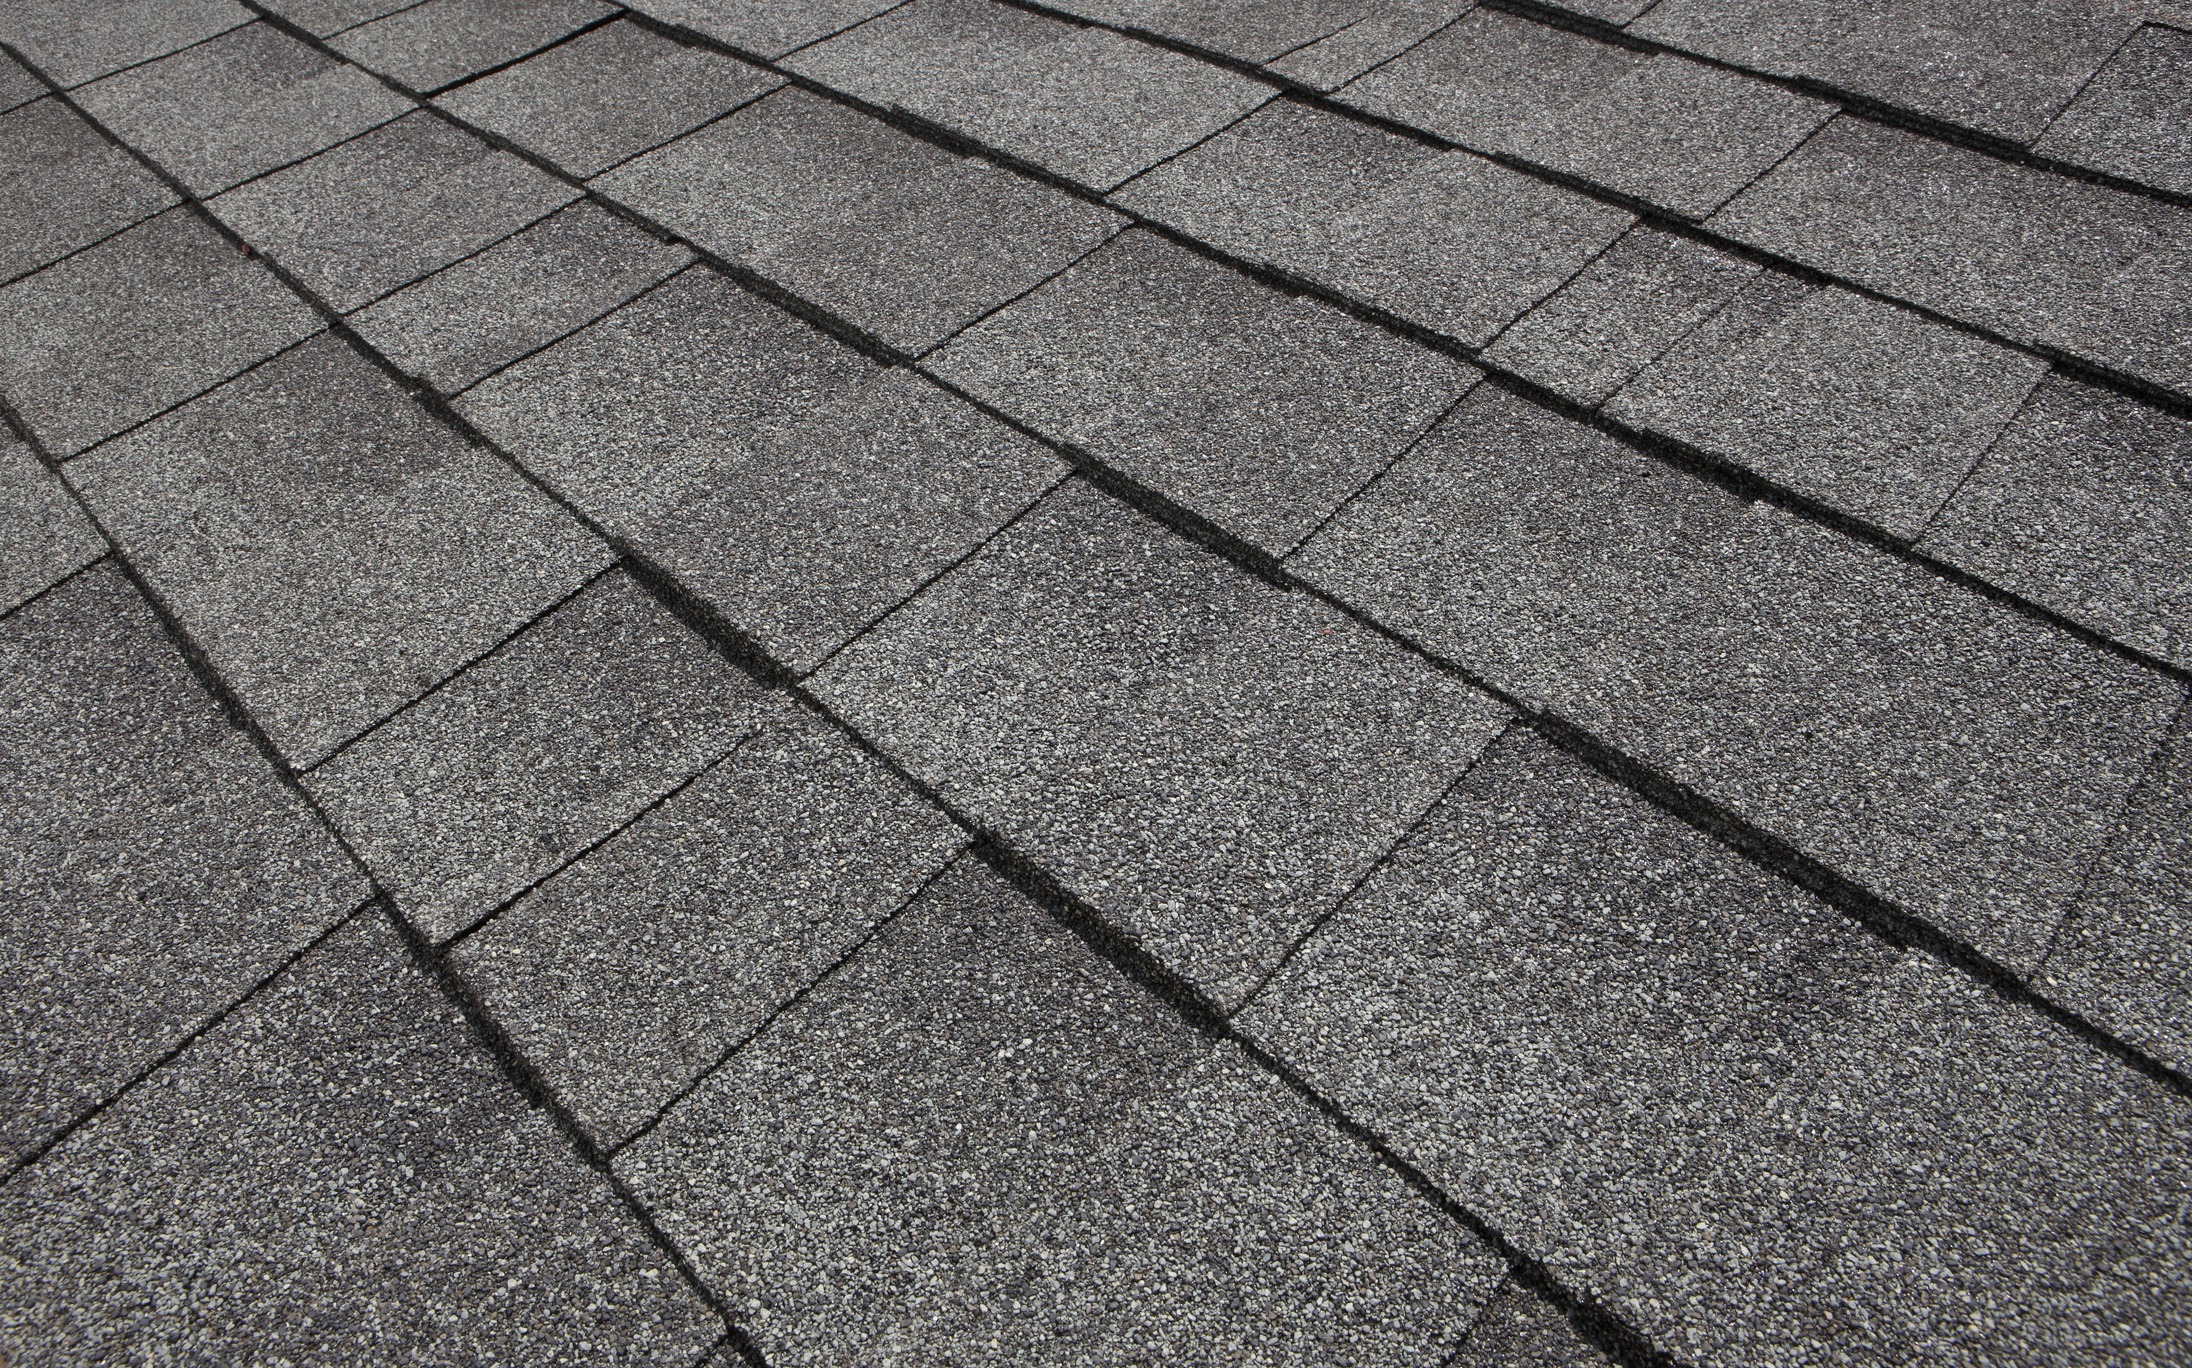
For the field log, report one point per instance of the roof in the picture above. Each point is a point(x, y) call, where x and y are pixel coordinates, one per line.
point(1389, 683)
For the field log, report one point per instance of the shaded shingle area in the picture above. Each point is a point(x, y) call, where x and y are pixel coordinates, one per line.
point(1208, 761)
point(18, 85)
point(441, 42)
point(331, 548)
point(769, 29)
point(796, 488)
point(1450, 241)
point(74, 41)
point(324, 18)
point(1947, 752)
point(1518, 1329)
point(631, 973)
point(898, 238)
point(43, 537)
point(157, 866)
point(1258, 412)
point(1083, 103)
point(2135, 118)
point(63, 187)
point(978, 1102)
point(338, 1162)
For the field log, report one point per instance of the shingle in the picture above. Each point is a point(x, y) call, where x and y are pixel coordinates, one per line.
point(1677, 133)
point(1254, 31)
point(1450, 241)
point(1610, 11)
point(1868, 408)
point(625, 977)
point(106, 339)
point(523, 761)
point(767, 28)
point(380, 211)
point(74, 41)
point(2085, 505)
point(246, 102)
point(337, 1172)
point(1519, 1329)
point(324, 18)
point(17, 85)
point(441, 42)
point(2100, 273)
point(2135, 119)
point(1379, 33)
point(794, 486)
point(158, 867)
point(897, 237)
point(63, 187)
point(1083, 103)
point(979, 1145)
point(517, 296)
point(1621, 313)
point(607, 95)
point(330, 547)
point(43, 537)
point(1208, 761)
point(1945, 751)
point(1258, 412)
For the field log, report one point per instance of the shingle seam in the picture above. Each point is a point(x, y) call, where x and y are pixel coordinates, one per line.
point(1003, 304)
point(351, 28)
point(581, 31)
point(94, 563)
point(79, 251)
point(189, 399)
point(144, 62)
point(572, 331)
point(1385, 468)
point(1320, 38)
point(833, 33)
point(2129, 38)
point(393, 290)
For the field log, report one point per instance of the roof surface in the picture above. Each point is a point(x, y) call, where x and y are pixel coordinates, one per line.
point(1309, 682)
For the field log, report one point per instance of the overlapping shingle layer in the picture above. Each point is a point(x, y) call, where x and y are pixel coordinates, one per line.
point(1371, 682)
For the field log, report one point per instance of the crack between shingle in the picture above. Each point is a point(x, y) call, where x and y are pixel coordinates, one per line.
point(566, 334)
point(143, 62)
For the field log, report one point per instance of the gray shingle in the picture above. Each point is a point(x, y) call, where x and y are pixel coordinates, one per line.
point(2100, 273)
point(607, 95)
point(766, 28)
point(1519, 1329)
point(74, 41)
point(507, 774)
point(17, 85)
point(2135, 119)
point(441, 42)
point(2085, 505)
point(975, 1104)
point(1940, 749)
point(899, 238)
point(43, 537)
point(1083, 103)
point(1679, 134)
point(324, 18)
point(331, 548)
point(1254, 31)
point(335, 1173)
point(1208, 761)
point(380, 211)
point(1256, 411)
point(157, 867)
point(63, 187)
point(1381, 32)
point(246, 102)
point(796, 487)
point(1621, 313)
point(100, 342)
point(630, 973)
point(1866, 407)
point(1450, 241)
point(517, 296)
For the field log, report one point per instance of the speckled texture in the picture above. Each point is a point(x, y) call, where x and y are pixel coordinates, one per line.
point(18, 86)
point(2135, 118)
point(441, 42)
point(1518, 1329)
point(63, 187)
point(74, 41)
point(765, 28)
point(323, 18)
point(43, 536)
point(1380, 32)
point(979, 1145)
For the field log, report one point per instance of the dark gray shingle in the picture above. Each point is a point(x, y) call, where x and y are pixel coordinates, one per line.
point(43, 536)
point(74, 41)
point(326, 17)
point(1381, 31)
point(17, 85)
point(1519, 1329)
point(63, 187)
point(2135, 119)
point(766, 28)
point(441, 42)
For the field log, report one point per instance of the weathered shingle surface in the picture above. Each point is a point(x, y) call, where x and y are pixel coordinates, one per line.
point(1095, 682)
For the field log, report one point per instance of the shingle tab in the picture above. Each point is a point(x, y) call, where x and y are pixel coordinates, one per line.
point(380, 211)
point(978, 1102)
point(63, 187)
point(114, 335)
point(17, 85)
point(1451, 241)
point(337, 1170)
point(2135, 118)
point(1253, 31)
point(74, 41)
point(630, 973)
point(43, 537)
point(1943, 750)
point(441, 42)
point(1258, 412)
point(1380, 32)
point(157, 867)
point(516, 766)
point(895, 236)
point(517, 296)
point(330, 547)
point(1209, 761)
point(799, 489)
point(1083, 103)
point(324, 18)
point(607, 95)
point(766, 28)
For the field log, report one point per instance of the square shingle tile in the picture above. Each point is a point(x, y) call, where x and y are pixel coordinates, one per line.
point(246, 102)
point(897, 237)
point(630, 973)
point(63, 187)
point(160, 867)
point(978, 1102)
point(441, 42)
point(535, 753)
point(332, 548)
point(793, 485)
point(112, 336)
point(2134, 119)
point(378, 212)
point(75, 41)
point(517, 296)
point(1258, 412)
point(43, 536)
